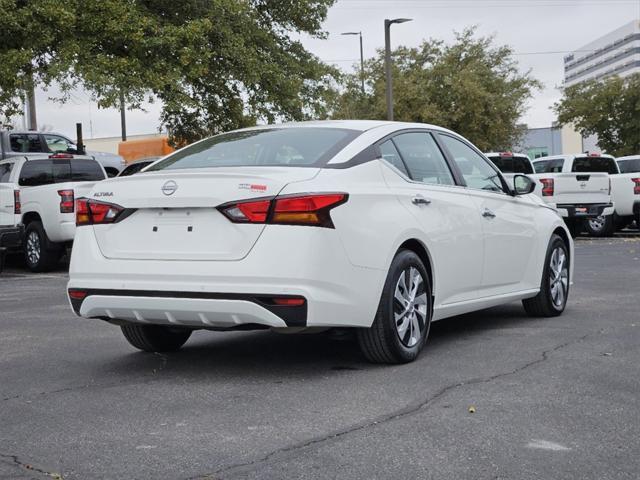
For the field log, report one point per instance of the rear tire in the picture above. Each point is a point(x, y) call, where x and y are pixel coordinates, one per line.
point(155, 338)
point(37, 256)
point(602, 226)
point(554, 287)
point(402, 321)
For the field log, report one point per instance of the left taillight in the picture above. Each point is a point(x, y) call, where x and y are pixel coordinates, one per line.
point(66, 201)
point(17, 206)
point(636, 186)
point(92, 212)
point(309, 209)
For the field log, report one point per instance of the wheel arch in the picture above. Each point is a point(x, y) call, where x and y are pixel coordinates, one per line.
point(31, 216)
point(421, 250)
point(562, 233)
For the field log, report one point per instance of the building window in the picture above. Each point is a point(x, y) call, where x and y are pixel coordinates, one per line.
point(537, 152)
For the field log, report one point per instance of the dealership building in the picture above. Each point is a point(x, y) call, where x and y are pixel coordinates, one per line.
point(617, 53)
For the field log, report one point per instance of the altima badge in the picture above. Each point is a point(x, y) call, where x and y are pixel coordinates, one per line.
point(169, 188)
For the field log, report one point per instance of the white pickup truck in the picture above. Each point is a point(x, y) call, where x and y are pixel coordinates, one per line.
point(575, 194)
point(631, 164)
point(623, 187)
point(47, 188)
point(11, 228)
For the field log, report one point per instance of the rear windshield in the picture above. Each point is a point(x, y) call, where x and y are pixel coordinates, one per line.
point(594, 164)
point(629, 166)
point(134, 168)
point(45, 172)
point(549, 166)
point(289, 147)
point(512, 164)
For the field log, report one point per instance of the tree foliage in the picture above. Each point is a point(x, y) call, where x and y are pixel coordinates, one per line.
point(609, 109)
point(472, 87)
point(214, 64)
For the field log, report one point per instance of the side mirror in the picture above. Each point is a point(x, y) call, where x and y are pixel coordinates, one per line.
point(523, 185)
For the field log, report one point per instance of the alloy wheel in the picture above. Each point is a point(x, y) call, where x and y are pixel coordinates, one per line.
point(559, 277)
point(597, 224)
point(410, 306)
point(33, 248)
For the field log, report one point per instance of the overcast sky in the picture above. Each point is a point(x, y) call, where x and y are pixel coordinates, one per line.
point(532, 27)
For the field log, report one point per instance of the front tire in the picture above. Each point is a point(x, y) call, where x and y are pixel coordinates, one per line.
point(554, 287)
point(37, 256)
point(601, 226)
point(401, 325)
point(155, 338)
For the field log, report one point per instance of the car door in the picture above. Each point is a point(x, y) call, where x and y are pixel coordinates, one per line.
point(7, 207)
point(508, 222)
point(448, 217)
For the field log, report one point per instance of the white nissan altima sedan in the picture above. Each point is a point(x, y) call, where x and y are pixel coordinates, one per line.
point(379, 226)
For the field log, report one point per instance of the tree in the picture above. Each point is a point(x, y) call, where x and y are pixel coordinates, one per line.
point(215, 64)
point(471, 87)
point(609, 109)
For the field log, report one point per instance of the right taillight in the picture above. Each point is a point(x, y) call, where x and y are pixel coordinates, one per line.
point(547, 187)
point(92, 212)
point(309, 209)
point(636, 187)
point(17, 206)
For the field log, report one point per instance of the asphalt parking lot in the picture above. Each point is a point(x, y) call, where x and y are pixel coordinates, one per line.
point(553, 398)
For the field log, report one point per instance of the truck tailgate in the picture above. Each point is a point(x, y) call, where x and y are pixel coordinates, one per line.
point(574, 188)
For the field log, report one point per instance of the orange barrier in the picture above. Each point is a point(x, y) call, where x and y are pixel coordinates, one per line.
point(147, 147)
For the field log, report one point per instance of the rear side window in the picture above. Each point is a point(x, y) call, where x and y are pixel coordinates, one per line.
point(133, 168)
point(549, 166)
point(288, 147)
point(390, 154)
point(629, 166)
point(508, 164)
point(423, 158)
point(5, 172)
point(36, 172)
point(86, 171)
point(25, 143)
point(594, 164)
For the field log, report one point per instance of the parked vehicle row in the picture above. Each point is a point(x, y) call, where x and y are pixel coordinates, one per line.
point(589, 190)
point(33, 144)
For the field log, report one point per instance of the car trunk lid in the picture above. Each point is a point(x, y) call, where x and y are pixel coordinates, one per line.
point(174, 212)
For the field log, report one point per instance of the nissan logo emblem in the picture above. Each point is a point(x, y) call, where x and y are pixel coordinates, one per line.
point(169, 188)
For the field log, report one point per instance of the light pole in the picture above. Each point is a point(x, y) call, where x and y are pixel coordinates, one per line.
point(387, 61)
point(361, 57)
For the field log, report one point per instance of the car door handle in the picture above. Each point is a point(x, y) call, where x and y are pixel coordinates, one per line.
point(420, 200)
point(488, 213)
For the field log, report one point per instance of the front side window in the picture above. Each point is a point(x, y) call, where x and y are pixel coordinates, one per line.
point(5, 172)
point(25, 143)
point(475, 170)
point(56, 143)
point(293, 147)
point(424, 160)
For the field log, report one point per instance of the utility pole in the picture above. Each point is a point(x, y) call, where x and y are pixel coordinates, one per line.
point(31, 104)
point(123, 119)
point(387, 61)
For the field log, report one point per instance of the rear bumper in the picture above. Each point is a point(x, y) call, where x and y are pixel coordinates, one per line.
point(195, 309)
point(11, 237)
point(592, 210)
point(305, 262)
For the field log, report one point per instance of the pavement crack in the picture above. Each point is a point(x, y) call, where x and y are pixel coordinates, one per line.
point(398, 414)
point(14, 460)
